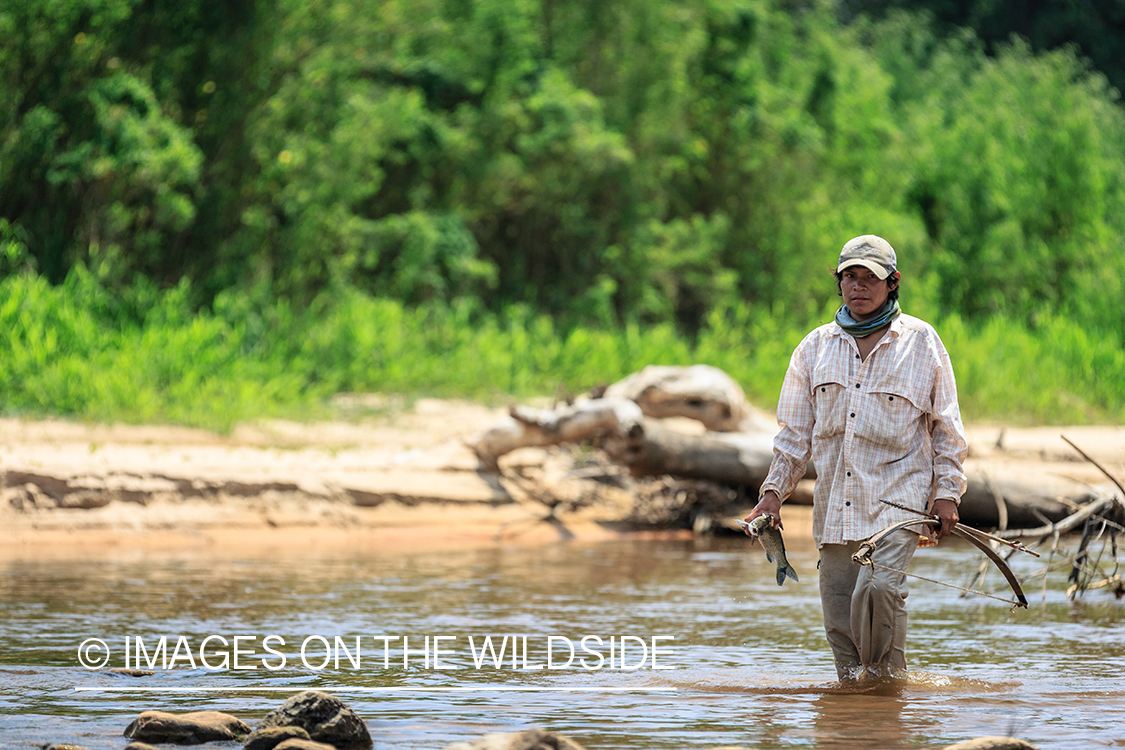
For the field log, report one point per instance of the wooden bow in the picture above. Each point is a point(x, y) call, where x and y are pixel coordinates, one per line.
point(977, 538)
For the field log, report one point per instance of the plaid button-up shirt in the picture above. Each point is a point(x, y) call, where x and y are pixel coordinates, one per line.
point(884, 428)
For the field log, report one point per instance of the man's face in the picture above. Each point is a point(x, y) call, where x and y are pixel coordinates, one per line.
point(864, 292)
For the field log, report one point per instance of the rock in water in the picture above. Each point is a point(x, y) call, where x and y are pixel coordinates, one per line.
point(193, 728)
point(324, 717)
point(296, 744)
point(992, 743)
point(129, 672)
point(532, 739)
point(268, 739)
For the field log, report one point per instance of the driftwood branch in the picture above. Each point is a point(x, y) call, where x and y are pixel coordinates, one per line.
point(1098, 466)
point(735, 446)
point(1067, 524)
point(1094, 508)
point(529, 427)
point(1086, 571)
point(700, 392)
point(986, 497)
point(732, 458)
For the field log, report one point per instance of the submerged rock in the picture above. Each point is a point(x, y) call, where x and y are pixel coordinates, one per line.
point(296, 744)
point(268, 739)
point(992, 743)
point(131, 672)
point(193, 728)
point(140, 746)
point(532, 739)
point(324, 717)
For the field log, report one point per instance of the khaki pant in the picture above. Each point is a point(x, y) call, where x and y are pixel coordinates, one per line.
point(865, 607)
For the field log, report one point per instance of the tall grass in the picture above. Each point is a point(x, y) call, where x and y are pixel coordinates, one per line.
point(77, 351)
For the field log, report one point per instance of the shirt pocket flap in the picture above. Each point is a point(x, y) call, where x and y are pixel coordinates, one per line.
point(830, 400)
point(914, 390)
point(830, 371)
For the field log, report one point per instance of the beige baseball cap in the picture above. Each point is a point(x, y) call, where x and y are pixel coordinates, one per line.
point(870, 251)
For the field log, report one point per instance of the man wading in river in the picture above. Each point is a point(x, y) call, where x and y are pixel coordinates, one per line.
point(872, 399)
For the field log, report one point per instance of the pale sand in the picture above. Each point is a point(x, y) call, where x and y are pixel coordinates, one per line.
point(279, 486)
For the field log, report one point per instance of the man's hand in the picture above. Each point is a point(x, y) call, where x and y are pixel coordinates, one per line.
point(770, 504)
point(946, 510)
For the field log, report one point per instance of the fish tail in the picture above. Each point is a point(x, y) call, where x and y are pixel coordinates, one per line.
point(784, 569)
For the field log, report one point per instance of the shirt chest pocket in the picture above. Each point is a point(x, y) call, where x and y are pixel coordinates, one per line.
point(829, 397)
point(894, 407)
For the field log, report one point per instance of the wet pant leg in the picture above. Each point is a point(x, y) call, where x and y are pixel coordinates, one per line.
point(838, 575)
point(865, 607)
point(879, 606)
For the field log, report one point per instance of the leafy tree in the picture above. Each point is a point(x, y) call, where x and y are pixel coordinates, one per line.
point(1093, 28)
point(607, 161)
point(1018, 177)
point(100, 157)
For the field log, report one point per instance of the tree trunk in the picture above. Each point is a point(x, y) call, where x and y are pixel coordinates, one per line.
point(1024, 504)
point(649, 449)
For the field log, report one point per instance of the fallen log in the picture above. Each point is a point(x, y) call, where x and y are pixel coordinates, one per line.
point(648, 449)
point(1025, 503)
point(529, 427)
point(1065, 524)
point(737, 448)
point(700, 392)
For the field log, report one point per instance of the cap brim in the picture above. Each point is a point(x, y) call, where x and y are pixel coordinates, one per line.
point(873, 266)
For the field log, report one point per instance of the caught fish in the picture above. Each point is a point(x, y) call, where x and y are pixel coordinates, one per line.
point(761, 528)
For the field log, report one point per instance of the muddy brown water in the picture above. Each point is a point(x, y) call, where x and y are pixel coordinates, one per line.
point(740, 660)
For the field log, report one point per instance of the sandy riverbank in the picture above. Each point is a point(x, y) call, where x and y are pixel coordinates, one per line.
point(398, 475)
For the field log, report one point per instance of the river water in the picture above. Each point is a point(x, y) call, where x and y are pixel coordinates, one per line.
point(738, 661)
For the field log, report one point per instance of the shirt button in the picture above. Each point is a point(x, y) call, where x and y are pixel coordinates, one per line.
point(857, 385)
point(849, 473)
point(853, 413)
point(848, 503)
point(857, 356)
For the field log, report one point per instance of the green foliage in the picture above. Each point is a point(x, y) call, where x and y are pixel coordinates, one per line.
point(14, 257)
point(1060, 373)
point(1094, 28)
point(144, 355)
point(1019, 177)
point(80, 350)
point(246, 206)
point(619, 161)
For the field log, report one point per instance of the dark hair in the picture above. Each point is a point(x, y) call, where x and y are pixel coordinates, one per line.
point(892, 292)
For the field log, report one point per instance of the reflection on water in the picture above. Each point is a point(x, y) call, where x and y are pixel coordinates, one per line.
point(750, 666)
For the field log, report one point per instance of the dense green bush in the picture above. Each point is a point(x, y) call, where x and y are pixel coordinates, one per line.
point(623, 160)
point(145, 355)
point(211, 211)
